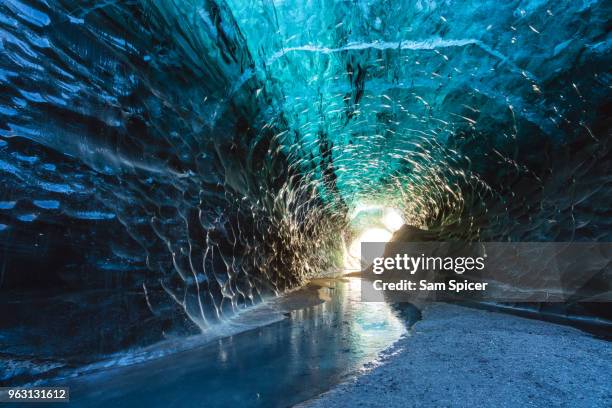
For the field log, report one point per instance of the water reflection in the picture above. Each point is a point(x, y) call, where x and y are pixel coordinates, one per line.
point(276, 365)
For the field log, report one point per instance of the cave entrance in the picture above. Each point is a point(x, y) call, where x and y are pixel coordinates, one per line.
point(370, 223)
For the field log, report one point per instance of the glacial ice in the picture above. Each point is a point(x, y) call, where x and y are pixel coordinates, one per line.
point(167, 163)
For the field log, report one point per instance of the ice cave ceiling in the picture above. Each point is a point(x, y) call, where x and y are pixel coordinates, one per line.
point(166, 163)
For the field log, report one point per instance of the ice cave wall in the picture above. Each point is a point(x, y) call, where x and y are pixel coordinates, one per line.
point(143, 190)
point(510, 99)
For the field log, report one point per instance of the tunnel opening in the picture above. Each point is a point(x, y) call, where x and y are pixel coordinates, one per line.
point(369, 223)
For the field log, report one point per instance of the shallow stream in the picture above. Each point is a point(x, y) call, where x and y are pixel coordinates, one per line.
point(276, 365)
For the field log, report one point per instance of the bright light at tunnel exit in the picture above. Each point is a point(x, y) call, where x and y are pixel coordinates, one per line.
point(391, 219)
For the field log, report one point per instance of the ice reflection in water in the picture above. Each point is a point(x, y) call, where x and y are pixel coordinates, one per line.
point(275, 365)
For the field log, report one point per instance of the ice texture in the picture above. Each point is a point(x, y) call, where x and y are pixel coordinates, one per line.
point(165, 164)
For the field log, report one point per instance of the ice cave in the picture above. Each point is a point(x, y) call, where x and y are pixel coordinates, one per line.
point(168, 165)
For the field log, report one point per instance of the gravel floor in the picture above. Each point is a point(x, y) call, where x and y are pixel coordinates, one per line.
point(463, 357)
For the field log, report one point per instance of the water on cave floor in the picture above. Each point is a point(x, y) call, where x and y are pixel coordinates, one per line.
point(279, 364)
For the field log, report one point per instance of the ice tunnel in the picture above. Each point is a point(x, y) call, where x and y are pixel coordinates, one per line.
point(166, 164)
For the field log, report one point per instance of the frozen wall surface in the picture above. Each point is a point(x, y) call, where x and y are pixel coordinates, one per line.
point(164, 164)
